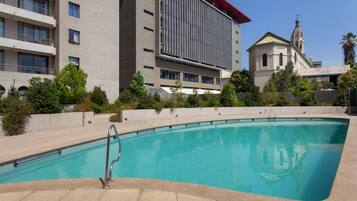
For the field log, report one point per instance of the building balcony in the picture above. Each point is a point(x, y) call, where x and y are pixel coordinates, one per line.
point(23, 11)
point(25, 43)
point(25, 69)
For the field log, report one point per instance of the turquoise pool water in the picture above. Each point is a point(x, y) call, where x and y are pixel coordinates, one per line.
point(288, 158)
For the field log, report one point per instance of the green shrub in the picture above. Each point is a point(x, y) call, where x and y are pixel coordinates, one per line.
point(137, 85)
point(98, 96)
point(228, 96)
point(169, 103)
point(210, 100)
point(71, 83)
point(193, 100)
point(146, 102)
point(282, 101)
point(16, 115)
point(126, 97)
point(308, 99)
point(42, 96)
point(84, 106)
point(270, 98)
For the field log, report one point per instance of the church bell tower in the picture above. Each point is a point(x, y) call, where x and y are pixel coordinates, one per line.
point(297, 37)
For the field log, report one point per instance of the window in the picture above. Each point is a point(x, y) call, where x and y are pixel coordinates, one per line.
point(149, 29)
point(33, 33)
point(281, 59)
point(218, 81)
point(74, 61)
point(265, 60)
point(148, 12)
point(22, 90)
point(73, 9)
point(295, 58)
point(190, 77)
point(74, 37)
point(2, 60)
point(29, 63)
point(207, 80)
point(148, 50)
point(2, 27)
point(169, 75)
point(37, 6)
point(149, 67)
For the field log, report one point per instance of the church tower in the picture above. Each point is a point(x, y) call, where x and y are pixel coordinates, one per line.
point(297, 37)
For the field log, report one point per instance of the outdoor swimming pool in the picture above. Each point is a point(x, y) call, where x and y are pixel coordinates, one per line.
point(288, 158)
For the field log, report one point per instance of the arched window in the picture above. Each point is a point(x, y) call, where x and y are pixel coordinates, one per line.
point(265, 60)
point(2, 90)
point(295, 58)
point(281, 59)
point(22, 90)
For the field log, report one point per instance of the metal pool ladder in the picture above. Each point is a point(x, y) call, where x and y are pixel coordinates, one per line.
point(109, 169)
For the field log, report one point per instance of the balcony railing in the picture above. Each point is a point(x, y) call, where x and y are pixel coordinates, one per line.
point(30, 6)
point(25, 69)
point(26, 38)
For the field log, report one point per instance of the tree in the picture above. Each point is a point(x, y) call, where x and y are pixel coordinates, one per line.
point(241, 82)
point(137, 85)
point(346, 82)
point(42, 96)
point(349, 42)
point(229, 97)
point(193, 100)
point(98, 96)
point(306, 90)
point(71, 83)
point(285, 79)
point(16, 114)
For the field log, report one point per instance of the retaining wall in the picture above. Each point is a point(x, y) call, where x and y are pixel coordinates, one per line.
point(43, 122)
point(138, 115)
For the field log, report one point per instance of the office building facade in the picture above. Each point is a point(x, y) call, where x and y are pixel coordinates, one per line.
point(39, 37)
point(191, 41)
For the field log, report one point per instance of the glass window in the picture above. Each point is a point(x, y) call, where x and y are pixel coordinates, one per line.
point(29, 63)
point(2, 60)
point(73, 9)
point(281, 59)
point(22, 90)
point(190, 77)
point(169, 75)
point(2, 27)
point(37, 6)
point(32, 33)
point(74, 37)
point(207, 80)
point(218, 81)
point(74, 61)
point(265, 60)
point(295, 58)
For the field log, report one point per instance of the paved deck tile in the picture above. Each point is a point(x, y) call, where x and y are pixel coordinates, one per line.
point(121, 194)
point(14, 196)
point(47, 195)
point(155, 195)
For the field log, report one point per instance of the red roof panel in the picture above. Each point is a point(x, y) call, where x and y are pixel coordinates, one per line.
point(232, 11)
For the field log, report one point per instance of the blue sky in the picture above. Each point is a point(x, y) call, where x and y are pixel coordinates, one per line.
point(323, 22)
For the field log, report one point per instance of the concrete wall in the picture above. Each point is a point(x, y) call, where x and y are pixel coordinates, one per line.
point(99, 42)
point(137, 115)
point(47, 122)
point(236, 54)
point(140, 29)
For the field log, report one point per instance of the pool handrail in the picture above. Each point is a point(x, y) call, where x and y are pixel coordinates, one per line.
point(109, 169)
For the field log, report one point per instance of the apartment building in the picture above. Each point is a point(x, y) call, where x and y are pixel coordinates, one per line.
point(192, 41)
point(39, 37)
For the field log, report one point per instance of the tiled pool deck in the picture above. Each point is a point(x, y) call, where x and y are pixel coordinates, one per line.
point(344, 189)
